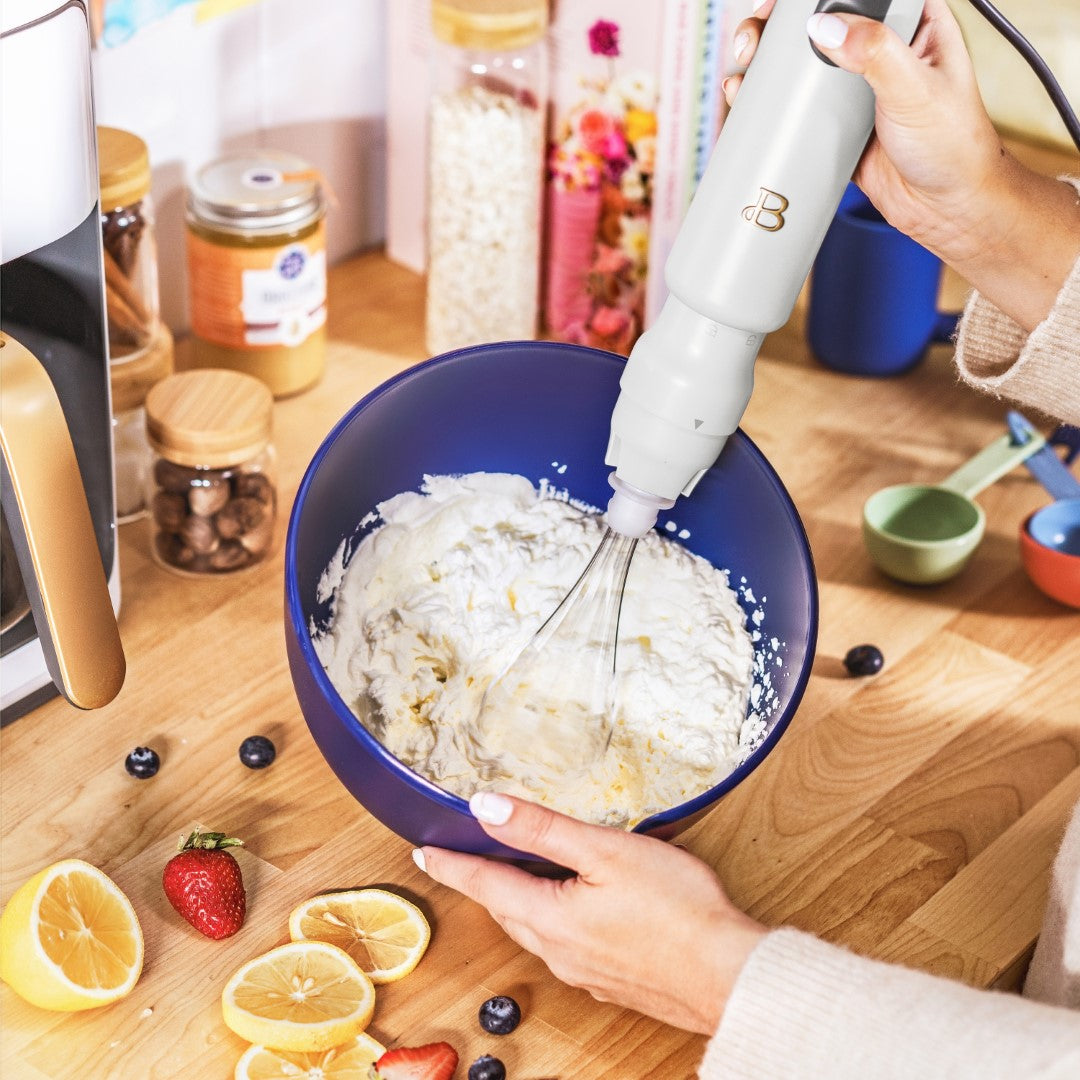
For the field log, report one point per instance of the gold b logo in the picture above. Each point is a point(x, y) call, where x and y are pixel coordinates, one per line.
point(768, 212)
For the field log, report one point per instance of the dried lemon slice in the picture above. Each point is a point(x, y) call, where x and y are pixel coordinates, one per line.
point(350, 1061)
point(70, 939)
point(384, 933)
point(303, 996)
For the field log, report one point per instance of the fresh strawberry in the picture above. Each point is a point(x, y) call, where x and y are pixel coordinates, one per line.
point(204, 884)
point(436, 1061)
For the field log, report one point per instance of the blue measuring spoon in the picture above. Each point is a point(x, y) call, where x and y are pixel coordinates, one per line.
point(1045, 465)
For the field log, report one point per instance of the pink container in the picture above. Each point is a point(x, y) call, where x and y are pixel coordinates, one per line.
point(573, 218)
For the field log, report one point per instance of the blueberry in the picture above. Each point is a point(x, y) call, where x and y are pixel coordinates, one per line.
point(487, 1067)
point(500, 1015)
point(142, 762)
point(257, 751)
point(864, 660)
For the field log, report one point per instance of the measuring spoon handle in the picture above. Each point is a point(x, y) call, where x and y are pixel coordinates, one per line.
point(992, 463)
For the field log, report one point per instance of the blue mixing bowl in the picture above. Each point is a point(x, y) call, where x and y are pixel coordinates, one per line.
point(541, 410)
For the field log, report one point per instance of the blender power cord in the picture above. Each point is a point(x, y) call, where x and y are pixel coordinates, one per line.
point(1037, 64)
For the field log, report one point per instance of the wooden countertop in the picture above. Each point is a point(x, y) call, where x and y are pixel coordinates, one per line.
point(912, 816)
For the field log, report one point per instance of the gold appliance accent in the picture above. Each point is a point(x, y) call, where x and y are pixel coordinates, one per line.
point(768, 212)
point(53, 535)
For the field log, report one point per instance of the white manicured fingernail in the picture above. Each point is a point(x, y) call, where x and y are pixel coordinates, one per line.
point(738, 46)
point(759, 5)
point(490, 807)
point(418, 858)
point(827, 30)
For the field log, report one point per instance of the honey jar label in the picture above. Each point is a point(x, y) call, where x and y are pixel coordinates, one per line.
point(257, 297)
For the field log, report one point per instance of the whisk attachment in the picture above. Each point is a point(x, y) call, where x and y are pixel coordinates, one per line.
point(553, 705)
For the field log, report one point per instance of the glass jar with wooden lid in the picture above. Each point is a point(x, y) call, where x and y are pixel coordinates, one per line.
point(129, 248)
point(130, 382)
point(212, 489)
point(256, 259)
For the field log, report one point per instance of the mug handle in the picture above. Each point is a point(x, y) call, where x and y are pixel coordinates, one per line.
point(945, 327)
point(1067, 435)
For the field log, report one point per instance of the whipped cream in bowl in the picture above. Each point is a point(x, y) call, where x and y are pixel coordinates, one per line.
point(446, 516)
point(456, 578)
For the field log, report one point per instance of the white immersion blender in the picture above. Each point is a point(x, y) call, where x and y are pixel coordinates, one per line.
point(784, 157)
point(775, 178)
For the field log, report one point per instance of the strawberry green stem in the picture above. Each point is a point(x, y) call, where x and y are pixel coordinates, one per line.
point(209, 841)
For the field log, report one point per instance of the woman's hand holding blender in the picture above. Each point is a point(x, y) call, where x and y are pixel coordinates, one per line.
point(935, 166)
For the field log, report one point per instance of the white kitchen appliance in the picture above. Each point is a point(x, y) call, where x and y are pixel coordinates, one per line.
point(783, 159)
point(60, 574)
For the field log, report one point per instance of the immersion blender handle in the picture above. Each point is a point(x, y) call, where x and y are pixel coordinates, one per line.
point(785, 154)
point(871, 9)
point(775, 178)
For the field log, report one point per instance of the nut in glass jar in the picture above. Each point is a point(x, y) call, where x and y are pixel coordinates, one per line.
point(213, 497)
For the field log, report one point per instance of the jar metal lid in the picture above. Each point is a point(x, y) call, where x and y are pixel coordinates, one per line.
point(489, 24)
point(256, 191)
point(123, 168)
point(210, 417)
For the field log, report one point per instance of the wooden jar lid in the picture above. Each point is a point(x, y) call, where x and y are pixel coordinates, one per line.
point(489, 24)
point(123, 168)
point(132, 379)
point(210, 417)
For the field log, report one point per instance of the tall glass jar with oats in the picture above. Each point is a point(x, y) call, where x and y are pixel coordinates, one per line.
point(486, 162)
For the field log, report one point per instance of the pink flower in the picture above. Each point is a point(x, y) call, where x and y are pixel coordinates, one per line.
point(615, 145)
point(604, 38)
point(609, 322)
point(610, 260)
point(615, 154)
point(574, 333)
point(596, 128)
point(574, 170)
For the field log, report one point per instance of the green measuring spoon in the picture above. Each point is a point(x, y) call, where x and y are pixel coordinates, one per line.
point(925, 533)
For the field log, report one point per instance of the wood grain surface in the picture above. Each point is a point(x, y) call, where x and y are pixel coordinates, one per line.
point(912, 816)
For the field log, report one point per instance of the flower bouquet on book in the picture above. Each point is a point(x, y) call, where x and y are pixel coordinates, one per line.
point(599, 197)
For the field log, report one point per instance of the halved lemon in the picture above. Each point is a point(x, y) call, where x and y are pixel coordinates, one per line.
point(350, 1061)
point(70, 939)
point(384, 933)
point(303, 996)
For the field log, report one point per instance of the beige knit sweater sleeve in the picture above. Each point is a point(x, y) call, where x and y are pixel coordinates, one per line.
point(1040, 370)
point(805, 1010)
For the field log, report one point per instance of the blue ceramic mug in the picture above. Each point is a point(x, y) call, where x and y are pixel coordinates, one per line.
point(873, 295)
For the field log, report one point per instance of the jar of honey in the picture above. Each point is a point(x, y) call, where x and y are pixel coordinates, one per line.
point(256, 247)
